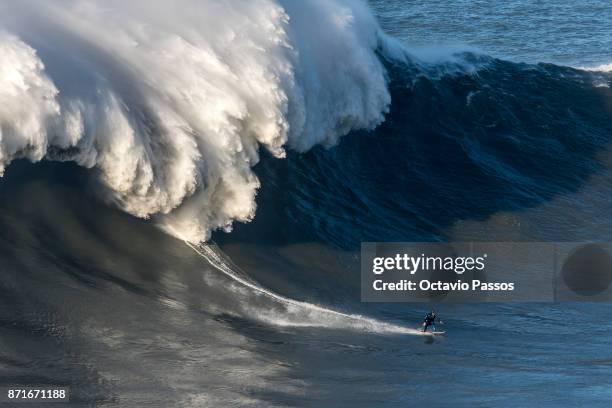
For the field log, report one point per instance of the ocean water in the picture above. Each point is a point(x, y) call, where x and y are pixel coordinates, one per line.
point(129, 134)
point(565, 32)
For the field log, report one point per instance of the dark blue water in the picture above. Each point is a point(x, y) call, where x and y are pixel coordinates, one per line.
point(507, 149)
point(463, 147)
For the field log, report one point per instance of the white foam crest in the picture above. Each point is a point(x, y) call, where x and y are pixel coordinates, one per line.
point(297, 313)
point(599, 68)
point(27, 102)
point(171, 101)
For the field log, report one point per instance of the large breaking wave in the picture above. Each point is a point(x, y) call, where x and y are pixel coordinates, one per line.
point(171, 102)
point(171, 106)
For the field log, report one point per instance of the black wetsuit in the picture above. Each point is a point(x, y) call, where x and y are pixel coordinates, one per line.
point(430, 320)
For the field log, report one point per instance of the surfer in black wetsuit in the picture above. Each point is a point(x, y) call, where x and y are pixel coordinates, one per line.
point(430, 320)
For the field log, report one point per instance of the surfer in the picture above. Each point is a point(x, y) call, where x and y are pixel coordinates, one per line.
point(430, 320)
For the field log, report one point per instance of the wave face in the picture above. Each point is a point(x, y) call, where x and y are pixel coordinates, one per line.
point(170, 103)
point(459, 144)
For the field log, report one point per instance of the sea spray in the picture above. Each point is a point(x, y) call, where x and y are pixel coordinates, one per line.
point(171, 102)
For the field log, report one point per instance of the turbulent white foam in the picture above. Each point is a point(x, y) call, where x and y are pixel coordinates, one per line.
point(170, 101)
point(27, 102)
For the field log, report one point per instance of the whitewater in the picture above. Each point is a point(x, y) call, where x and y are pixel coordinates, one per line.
point(170, 103)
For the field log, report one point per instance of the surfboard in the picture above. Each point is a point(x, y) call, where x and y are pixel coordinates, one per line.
point(435, 333)
point(432, 333)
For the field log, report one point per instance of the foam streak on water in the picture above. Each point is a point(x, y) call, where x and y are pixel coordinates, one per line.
point(298, 313)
